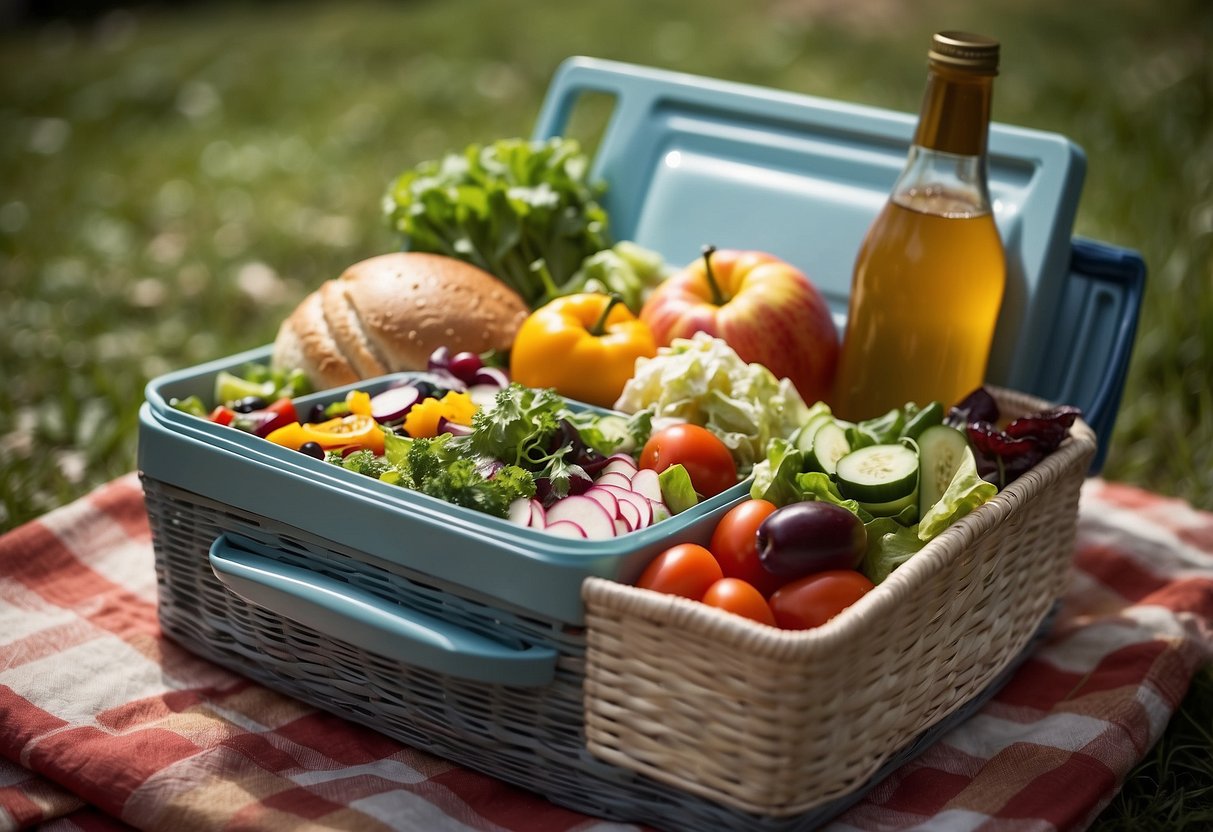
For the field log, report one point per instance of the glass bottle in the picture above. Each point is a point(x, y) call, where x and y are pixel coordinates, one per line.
point(930, 275)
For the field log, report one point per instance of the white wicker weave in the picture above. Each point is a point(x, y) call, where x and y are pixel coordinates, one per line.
point(777, 722)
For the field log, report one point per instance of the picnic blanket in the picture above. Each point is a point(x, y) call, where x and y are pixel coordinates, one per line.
point(106, 724)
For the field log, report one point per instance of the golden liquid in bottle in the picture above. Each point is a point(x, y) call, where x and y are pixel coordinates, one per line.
point(925, 298)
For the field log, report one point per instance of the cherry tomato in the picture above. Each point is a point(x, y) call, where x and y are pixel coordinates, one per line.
point(222, 415)
point(815, 599)
point(735, 545)
point(707, 459)
point(687, 569)
point(740, 598)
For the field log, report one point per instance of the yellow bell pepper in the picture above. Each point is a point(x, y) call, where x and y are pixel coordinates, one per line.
point(583, 345)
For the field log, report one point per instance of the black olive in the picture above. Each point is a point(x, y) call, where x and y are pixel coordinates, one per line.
point(312, 449)
point(250, 403)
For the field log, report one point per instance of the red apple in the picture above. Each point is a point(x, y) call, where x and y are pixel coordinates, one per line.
point(767, 310)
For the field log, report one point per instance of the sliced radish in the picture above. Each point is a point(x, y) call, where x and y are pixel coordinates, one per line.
point(520, 512)
point(621, 526)
point(565, 528)
point(645, 482)
point(630, 515)
point(660, 511)
point(586, 512)
point(539, 515)
point(618, 466)
point(605, 497)
point(622, 457)
point(642, 504)
point(615, 478)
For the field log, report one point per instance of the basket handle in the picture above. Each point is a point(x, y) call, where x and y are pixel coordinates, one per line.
point(340, 611)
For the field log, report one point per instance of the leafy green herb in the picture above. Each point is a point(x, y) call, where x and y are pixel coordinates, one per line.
point(522, 211)
point(365, 462)
point(519, 426)
point(441, 467)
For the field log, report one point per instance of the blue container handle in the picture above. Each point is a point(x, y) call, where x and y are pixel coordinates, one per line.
point(340, 611)
point(1122, 272)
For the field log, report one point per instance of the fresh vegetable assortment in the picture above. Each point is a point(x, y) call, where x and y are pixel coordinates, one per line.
point(836, 506)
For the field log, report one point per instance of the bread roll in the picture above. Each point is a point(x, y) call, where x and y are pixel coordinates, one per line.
point(388, 313)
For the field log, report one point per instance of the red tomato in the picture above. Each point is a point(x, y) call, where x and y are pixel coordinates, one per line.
point(707, 459)
point(735, 545)
point(687, 569)
point(815, 599)
point(739, 598)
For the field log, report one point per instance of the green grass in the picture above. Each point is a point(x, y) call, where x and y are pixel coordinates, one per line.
point(172, 182)
point(1172, 788)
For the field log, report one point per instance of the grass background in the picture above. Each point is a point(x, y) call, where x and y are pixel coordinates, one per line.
point(174, 180)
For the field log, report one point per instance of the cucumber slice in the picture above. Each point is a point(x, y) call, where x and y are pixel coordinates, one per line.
point(941, 448)
point(878, 473)
point(804, 439)
point(892, 508)
point(929, 416)
point(829, 445)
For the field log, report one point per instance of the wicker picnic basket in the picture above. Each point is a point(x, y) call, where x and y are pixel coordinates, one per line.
point(777, 722)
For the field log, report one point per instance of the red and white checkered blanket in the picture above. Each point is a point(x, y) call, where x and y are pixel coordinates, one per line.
point(105, 724)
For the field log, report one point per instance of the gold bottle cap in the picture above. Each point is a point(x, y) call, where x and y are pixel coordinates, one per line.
point(965, 51)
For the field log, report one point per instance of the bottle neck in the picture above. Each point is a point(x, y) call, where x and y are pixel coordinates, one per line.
point(955, 116)
point(945, 173)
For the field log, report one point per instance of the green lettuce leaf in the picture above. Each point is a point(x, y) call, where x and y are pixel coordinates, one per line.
point(816, 485)
point(890, 544)
point(965, 492)
point(775, 476)
point(676, 490)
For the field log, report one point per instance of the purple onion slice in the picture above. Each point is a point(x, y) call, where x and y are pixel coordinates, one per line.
point(393, 404)
point(491, 375)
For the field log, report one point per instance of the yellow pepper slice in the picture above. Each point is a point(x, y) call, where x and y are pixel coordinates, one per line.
point(354, 430)
point(422, 419)
point(583, 345)
point(359, 402)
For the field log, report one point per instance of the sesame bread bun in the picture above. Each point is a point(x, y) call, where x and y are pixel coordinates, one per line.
point(389, 313)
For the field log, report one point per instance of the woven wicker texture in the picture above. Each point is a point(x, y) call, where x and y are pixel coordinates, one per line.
point(778, 722)
point(531, 737)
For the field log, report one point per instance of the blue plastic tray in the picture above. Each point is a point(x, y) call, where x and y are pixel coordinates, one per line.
point(692, 160)
point(523, 568)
